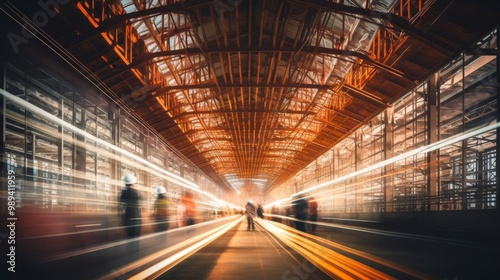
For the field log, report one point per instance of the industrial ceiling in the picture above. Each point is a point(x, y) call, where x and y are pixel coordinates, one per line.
point(253, 91)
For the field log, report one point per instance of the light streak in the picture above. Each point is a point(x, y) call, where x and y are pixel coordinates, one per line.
point(360, 270)
point(423, 149)
point(88, 225)
point(330, 262)
point(161, 267)
point(165, 174)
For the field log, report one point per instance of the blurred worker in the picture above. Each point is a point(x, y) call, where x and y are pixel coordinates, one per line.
point(288, 213)
point(260, 211)
point(300, 208)
point(160, 210)
point(313, 212)
point(275, 211)
point(190, 205)
point(250, 214)
point(130, 207)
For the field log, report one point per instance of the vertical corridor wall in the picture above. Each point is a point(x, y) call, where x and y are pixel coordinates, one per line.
point(461, 175)
point(73, 154)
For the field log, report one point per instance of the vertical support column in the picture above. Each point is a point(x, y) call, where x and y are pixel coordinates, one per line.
point(60, 154)
point(317, 171)
point(181, 167)
point(29, 159)
point(332, 176)
point(358, 195)
point(464, 163)
point(80, 158)
point(332, 165)
point(432, 136)
point(197, 179)
point(481, 195)
point(497, 166)
point(60, 146)
point(29, 166)
point(166, 156)
point(388, 153)
point(145, 155)
point(115, 170)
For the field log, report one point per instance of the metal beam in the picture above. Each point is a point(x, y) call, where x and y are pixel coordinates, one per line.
point(164, 90)
point(311, 50)
point(364, 95)
point(394, 19)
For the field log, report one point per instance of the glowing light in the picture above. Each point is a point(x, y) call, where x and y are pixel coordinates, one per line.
point(171, 261)
point(162, 172)
point(424, 149)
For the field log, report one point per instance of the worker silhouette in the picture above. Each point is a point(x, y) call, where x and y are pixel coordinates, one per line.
point(190, 208)
point(313, 213)
point(250, 214)
point(160, 210)
point(260, 211)
point(300, 210)
point(130, 210)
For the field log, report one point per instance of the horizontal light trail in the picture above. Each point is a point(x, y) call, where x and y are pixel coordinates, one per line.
point(424, 149)
point(166, 174)
point(166, 264)
point(375, 259)
point(330, 262)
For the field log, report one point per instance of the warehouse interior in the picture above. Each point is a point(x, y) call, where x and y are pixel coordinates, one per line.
point(257, 99)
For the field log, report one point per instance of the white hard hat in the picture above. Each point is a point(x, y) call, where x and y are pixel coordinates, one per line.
point(129, 179)
point(161, 190)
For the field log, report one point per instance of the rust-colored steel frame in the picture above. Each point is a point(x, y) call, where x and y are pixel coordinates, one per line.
point(248, 82)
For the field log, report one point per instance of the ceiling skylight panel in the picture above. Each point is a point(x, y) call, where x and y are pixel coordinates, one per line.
point(196, 124)
point(179, 19)
point(197, 59)
point(315, 126)
point(128, 6)
point(154, 48)
point(204, 74)
point(225, 153)
point(206, 146)
point(163, 67)
point(150, 43)
point(160, 22)
point(212, 104)
point(154, 3)
point(187, 40)
point(141, 28)
point(277, 152)
point(180, 96)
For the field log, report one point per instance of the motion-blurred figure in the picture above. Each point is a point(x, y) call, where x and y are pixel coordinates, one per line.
point(161, 207)
point(130, 209)
point(313, 212)
point(275, 211)
point(288, 213)
point(300, 209)
point(190, 205)
point(250, 214)
point(260, 211)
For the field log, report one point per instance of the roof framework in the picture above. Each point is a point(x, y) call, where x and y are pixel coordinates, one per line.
point(253, 91)
point(253, 85)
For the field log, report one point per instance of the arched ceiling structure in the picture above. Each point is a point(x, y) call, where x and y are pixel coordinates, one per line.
point(253, 91)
